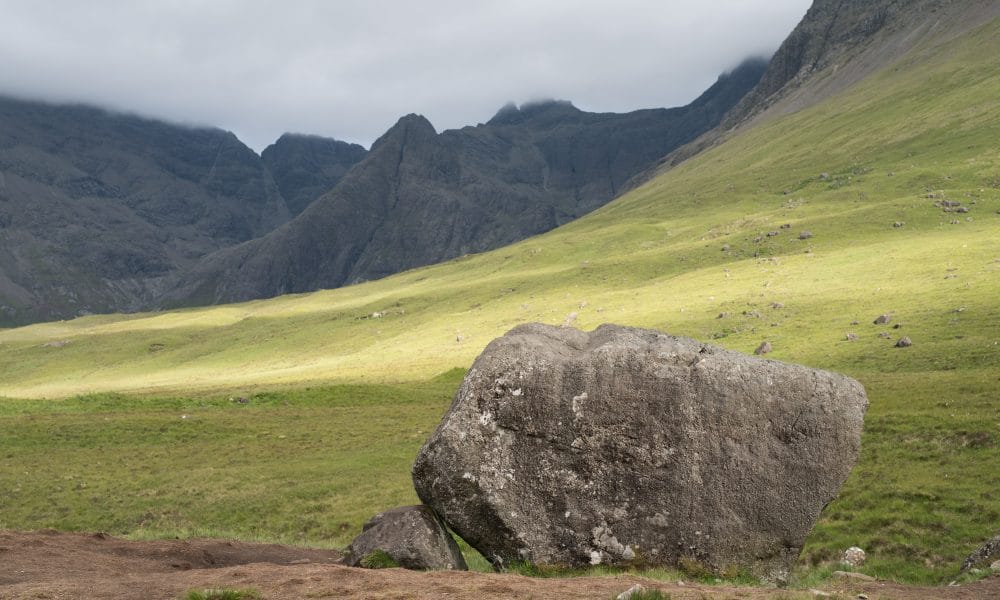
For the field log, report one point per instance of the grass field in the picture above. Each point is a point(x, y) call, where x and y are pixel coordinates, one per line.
point(126, 424)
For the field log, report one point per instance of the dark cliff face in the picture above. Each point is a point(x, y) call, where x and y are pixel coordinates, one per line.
point(420, 197)
point(96, 207)
point(305, 166)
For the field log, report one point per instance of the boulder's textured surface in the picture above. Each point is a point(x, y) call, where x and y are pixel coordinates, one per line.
point(628, 446)
point(412, 536)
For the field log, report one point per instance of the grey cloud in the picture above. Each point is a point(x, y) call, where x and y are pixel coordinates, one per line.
point(349, 69)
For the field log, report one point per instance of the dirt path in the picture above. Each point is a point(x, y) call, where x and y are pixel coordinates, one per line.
point(56, 566)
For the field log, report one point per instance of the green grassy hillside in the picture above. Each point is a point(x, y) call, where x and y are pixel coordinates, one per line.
point(689, 253)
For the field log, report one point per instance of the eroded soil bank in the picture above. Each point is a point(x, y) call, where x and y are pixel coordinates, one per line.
point(56, 566)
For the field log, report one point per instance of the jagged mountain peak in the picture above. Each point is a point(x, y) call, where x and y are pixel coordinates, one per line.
point(408, 128)
point(312, 140)
point(306, 166)
point(512, 114)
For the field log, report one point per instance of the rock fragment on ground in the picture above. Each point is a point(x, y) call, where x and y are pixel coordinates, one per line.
point(412, 536)
point(627, 446)
point(633, 592)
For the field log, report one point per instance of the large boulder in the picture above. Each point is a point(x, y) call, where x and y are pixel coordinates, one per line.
point(628, 446)
point(411, 536)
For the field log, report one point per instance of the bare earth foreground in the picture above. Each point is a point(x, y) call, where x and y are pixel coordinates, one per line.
point(57, 565)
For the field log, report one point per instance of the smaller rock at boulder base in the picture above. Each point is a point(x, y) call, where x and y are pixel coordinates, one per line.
point(412, 536)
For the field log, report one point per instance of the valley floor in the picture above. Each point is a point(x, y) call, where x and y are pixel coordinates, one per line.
point(54, 565)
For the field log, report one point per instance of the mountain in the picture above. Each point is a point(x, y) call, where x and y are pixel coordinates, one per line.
point(97, 208)
point(837, 44)
point(840, 42)
point(420, 197)
point(105, 212)
point(307, 166)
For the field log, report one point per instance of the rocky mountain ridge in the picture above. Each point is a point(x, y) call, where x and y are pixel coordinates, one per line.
point(109, 212)
point(421, 197)
point(835, 45)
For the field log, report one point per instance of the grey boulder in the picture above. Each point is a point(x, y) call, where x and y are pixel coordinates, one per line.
point(627, 446)
point(412, 536)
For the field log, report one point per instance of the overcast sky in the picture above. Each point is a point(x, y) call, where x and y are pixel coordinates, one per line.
point(350, 68)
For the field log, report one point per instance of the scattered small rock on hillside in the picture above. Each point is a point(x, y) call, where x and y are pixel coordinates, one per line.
point(854, 557)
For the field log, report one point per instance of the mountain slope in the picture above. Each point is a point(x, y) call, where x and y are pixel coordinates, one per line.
point(837, 44)
point(420, 197)
point(846, 170)
point(96, 208)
